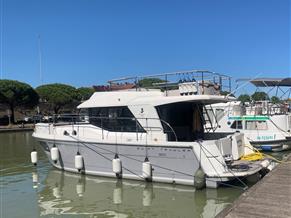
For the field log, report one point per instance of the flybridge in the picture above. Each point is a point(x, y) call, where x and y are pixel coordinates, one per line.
point(186, 82)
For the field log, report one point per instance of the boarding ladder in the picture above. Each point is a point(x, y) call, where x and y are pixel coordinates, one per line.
point(207, 119)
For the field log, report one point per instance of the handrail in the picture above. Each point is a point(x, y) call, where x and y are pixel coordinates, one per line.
point(75, 119)
point(169, 74)
point(194, 74)
point(268, 109)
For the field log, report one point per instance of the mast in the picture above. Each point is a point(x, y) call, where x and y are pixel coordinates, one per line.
point(1, 39)
point(40, 60)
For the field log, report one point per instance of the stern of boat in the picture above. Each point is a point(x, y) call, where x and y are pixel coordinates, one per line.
point(232, 157)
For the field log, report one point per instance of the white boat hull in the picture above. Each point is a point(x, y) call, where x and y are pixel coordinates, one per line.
point(170, 164)
point(273, 145)
point(176, 165)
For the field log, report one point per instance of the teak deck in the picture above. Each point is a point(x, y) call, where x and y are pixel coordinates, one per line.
point(270, 197)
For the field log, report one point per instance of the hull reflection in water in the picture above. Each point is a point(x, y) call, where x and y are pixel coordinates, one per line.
point(72, 194)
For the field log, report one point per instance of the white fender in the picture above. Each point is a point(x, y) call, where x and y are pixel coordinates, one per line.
point(55, 154)
point(79, 163)
point(147, 170)
point(33, 156)
point(116, 166)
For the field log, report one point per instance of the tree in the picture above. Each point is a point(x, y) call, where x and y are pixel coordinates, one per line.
point(149, 82)
point(57, 95)
point(17, 94)
point(84, 93)
point(260, 96)
point(244, 98)
point(275, 100)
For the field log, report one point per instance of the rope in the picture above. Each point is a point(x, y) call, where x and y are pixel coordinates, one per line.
point(253, 157)
point(245, 186)
point(155, 165)
point(108, 158)
point(165, 168)
point(278, 127)
point(131, 158)
point(257, 155)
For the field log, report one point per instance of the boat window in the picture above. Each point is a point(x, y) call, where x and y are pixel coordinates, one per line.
point(116, 119)
point(236, 124)
point(261, 125)
point(256, 125)
point(83, 115)
point(219, 114)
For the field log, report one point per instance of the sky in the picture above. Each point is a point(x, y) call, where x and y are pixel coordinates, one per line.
point(88, 42)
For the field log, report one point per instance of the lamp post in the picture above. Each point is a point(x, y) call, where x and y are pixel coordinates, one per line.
point(9, 116)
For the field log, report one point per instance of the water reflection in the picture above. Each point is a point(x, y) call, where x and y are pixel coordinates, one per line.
point(71, 194)
point(42, 191)
point(34, 179)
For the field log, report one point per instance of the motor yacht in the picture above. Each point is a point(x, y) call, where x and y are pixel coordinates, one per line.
point(265, 131)
point(151, 134)
point(266, 124)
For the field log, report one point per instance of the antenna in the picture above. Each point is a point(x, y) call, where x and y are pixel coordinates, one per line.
point(40, 64)
point(1, 39)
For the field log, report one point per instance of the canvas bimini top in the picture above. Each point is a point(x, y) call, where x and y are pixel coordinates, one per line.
point(267, 82)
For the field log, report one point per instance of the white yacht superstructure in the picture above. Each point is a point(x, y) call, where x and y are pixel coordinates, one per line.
point(266, 124)
point(151, 135)
point(268, 132)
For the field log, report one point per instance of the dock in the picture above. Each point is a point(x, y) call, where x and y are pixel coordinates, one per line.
point(270, 197)
point(16, 128)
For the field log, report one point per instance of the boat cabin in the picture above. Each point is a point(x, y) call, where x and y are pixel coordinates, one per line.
point(170, 118)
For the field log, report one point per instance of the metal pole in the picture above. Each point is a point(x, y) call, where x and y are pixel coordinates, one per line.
point(136, 85)
point(1, 39)
point(40, 64)
point(229, 81)
point(146, 147)
point(147, 131)
point(136, 129)
point(102, 128)
point(202, 83)
point(166, 78)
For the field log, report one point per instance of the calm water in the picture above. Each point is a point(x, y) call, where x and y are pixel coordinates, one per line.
point(42, 191)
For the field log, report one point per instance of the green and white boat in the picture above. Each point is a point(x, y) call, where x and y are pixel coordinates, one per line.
point(268, 132)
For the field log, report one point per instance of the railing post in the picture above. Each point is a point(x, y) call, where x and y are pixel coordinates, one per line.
point(202, 77)
point(136, 84)
point(114, 130)
point(102, 128)
point(136, 129)
point(72, 120)
point(146, 131)
point(229, 79)
point(166, 78)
